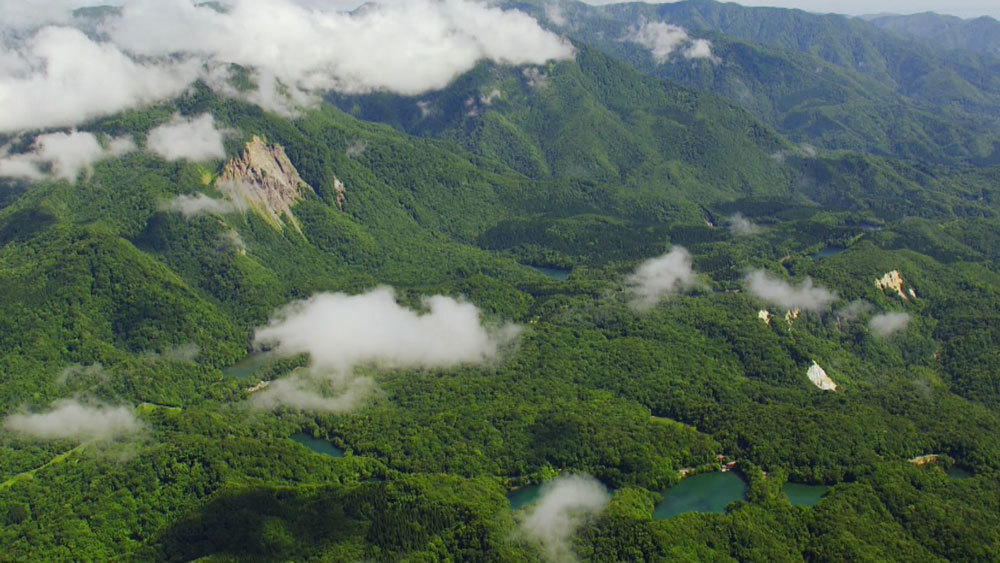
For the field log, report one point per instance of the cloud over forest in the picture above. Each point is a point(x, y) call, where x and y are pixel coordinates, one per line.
point(660, 277)
point(153, 50)
point(71, 419)
point(340, 332)
point(805, 296)
point(563, 505)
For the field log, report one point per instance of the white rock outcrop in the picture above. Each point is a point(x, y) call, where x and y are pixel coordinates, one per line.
point(765, 316)
point(820, 379)
point(894, 281)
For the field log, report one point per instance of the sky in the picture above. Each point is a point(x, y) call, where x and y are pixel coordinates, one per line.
point(961, 8)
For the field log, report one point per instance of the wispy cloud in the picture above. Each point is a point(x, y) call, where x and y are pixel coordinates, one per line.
point(193, 139)
point(805, 296)
point(200, 204)
point(740, 225)
point(562, 507)
point(70, 419)
point(61, 155)
point(661, 277)
point(887, 324)
point(665, 39)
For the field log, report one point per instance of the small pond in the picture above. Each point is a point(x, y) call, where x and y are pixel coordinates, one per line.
point(705, 492)
point(317, 445)
point(554, 273)
point(247, 366)
point(958, 473)
point(828, 252)
point(804, 495)
point(520, 498)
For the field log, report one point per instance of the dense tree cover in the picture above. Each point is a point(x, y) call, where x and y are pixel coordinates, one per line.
point(103, 285)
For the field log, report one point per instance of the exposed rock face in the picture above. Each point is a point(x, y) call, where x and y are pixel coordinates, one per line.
point(791, 316)
point(263, 179)
point(341, 191)
point(894, 280)
point(820, 379)
point(765, 316)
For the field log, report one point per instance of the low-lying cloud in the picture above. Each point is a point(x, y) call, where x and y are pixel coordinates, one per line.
point(61, 155)
point(187, 138)
point(153, 50)
point(200, 204)
point(339, 332)
point(665, 39)
point(661, 277)
point(887, 324)
point(805, 296)
point(562, 507)
point(740, 225)
point(72, 420)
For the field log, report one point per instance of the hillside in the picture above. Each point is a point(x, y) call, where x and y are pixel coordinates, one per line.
point(979, 35)
point(360, 330)
point(827, 80)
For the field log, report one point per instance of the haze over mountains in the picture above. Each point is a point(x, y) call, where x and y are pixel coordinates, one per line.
point(473, 248)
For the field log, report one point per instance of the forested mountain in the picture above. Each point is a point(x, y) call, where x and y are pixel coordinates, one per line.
point(581, 270)
point(829, 80)
point(980, 35)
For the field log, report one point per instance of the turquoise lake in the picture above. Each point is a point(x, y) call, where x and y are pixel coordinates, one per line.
point(247, 366)
point(804, 495)
point(705, 492)
point(317, 445)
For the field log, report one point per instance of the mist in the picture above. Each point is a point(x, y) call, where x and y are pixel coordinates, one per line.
point(62, 156)
point(661, 277)
point(562, 507)
point(887, 324)
point(340, 332)
point(200, 204)
point(192, 139)
point(153, 50)
point(665, 39)
point(73, 420)
point(740, 225)
point(805, 296)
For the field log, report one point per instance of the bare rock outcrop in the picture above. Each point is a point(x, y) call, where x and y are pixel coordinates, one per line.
point(820, 379)
point(263, 179)
point(894, 281)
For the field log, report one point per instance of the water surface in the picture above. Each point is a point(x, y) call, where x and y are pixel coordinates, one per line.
point(958, 473)
point(247, 366)
point(554, 273)
point(705, 492)
point(317, 445)
point(829, 252)
point(520, 498)
point(804, 495)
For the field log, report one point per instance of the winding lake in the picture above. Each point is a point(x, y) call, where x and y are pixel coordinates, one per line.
point(317, 445)
point(804, 495)
point(554, 273)
point(705, 492)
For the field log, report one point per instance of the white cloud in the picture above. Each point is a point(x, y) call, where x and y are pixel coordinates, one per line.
point(535, 78)
point(61, 155)
point(660, 277)
point(356, 148)
point(70, 419)
point(200, 204)
point(295, 49)
point(561, 508)
point(187, 138)
point(663, 39)
point(60, 77)
point(805, 296)
point(887, 324)
point(340, 331)
point(854, 310)
point(740, 225)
